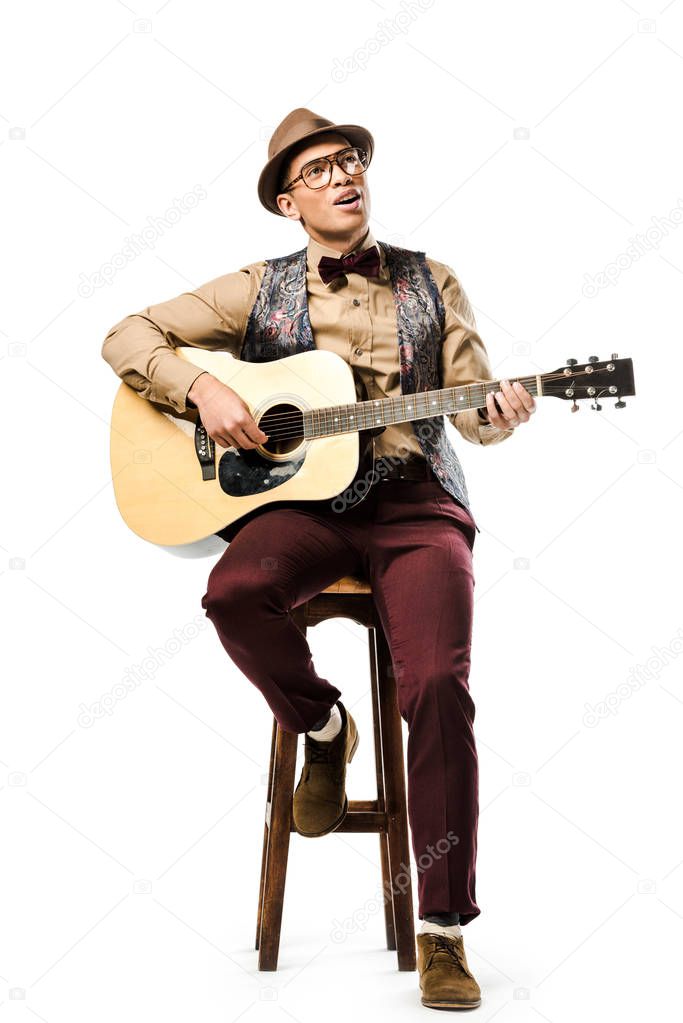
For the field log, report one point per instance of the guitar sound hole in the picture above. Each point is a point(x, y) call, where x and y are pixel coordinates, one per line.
point(284, 425)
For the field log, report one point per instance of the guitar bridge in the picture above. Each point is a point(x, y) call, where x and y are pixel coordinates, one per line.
point(206, 451)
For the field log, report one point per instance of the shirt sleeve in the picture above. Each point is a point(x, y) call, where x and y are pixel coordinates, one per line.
point(140, 348)
point(464, 360)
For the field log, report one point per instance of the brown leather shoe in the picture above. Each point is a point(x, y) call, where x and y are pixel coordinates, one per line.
point(445, 978)
point(320, 802)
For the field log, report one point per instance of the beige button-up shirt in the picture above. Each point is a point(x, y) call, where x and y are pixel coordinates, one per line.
point(353, 316)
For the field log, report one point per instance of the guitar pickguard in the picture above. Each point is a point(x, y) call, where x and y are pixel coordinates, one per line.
point(243, 473)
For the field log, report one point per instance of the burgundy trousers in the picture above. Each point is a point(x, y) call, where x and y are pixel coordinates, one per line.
point(414, 542)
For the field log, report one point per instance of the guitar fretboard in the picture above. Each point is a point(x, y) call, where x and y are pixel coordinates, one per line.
point(365, 415)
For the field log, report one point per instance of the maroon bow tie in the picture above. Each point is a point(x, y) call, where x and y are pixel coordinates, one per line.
point(366, 263)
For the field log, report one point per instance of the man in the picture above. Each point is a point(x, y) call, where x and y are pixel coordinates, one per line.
point(404, 324)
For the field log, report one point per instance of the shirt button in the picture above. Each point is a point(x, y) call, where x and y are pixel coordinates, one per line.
point(359, 351)
point(356, 301)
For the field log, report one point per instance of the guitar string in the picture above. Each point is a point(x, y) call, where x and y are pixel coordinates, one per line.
point(523, 380)
point(283, 419)
point(292, 432)
point(282, 434)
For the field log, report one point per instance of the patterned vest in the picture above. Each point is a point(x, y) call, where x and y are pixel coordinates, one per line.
point(279, 325)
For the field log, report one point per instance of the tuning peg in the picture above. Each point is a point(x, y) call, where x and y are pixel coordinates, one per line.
point(597, 407)
point(592, 358)
point(620, 404)
point(571, 362)
point(574, 406)
point(614, 355)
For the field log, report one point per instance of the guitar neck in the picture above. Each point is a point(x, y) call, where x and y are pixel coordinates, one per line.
point(366, 415)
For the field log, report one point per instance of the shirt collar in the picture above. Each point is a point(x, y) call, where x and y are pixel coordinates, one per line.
point(315, 251)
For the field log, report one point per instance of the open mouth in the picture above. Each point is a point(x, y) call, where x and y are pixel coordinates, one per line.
point(352, 200)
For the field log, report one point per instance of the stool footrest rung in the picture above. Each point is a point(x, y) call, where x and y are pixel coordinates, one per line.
point(360, 821)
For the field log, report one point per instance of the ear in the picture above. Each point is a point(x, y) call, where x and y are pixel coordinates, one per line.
point(287, 206)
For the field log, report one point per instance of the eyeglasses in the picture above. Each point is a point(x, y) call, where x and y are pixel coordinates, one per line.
point(317, 173)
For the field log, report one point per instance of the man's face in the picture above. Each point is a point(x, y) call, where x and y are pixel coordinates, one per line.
point(315, 208)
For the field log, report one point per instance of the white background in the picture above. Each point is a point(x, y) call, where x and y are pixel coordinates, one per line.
point(526, 145)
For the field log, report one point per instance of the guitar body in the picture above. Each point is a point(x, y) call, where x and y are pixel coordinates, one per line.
point(162, 470)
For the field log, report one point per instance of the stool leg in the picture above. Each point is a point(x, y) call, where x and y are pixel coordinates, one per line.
point(279, 826)
point(388, 900)
point(381, 795)
point(397, 841)
point(264, 856)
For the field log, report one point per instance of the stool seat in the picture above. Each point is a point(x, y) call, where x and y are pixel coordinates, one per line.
point(384, 814)
point(349, 584)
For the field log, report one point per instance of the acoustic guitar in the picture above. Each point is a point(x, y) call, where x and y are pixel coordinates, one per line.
point(174, 485)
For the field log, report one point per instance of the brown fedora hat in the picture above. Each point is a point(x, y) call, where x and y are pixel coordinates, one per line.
point(298, 125)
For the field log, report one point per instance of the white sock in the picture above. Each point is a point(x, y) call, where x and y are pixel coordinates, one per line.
point(332, 728)
point(453, 929)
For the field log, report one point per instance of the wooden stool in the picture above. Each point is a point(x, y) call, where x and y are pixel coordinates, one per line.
point(349, 597)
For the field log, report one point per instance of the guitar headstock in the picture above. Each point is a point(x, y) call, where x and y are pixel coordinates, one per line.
point(591, 379)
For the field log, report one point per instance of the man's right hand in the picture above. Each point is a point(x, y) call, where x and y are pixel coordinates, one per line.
point(225, 415)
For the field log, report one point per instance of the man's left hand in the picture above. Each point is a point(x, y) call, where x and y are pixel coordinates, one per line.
point(515, 402)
